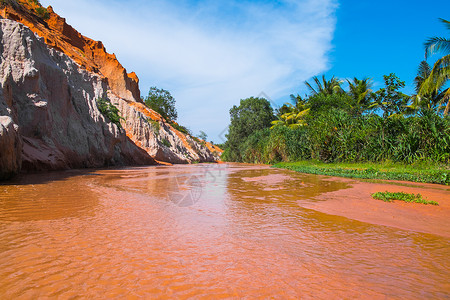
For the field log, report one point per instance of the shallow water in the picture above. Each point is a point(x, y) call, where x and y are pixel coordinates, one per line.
point(203, 231)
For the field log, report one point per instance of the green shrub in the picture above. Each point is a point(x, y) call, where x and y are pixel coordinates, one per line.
point(166, 143)
point(109, 111)
point(180, 128)
point(42, 12)
point(155, 126)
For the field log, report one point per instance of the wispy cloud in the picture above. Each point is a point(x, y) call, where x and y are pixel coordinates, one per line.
point(210, 54)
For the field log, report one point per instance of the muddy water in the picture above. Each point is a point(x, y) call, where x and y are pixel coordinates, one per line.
point(205, 231)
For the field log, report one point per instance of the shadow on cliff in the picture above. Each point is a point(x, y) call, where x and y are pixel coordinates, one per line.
point(49, 176)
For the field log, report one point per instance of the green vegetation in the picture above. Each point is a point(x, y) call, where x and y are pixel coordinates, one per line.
point(180, 128)
point(332, 125)
point(202, 135)
point(418, 172)
point(166, 143)
point(251, 115)
point(42, 12)
point(155, 126)
point(410, 198)
point(109, 111)
point(162, 102)
point(432, 86)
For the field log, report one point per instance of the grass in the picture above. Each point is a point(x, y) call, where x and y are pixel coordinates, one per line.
point(410, 198)
point(418, 172)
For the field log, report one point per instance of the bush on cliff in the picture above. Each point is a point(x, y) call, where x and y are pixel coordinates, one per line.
point(109, 111)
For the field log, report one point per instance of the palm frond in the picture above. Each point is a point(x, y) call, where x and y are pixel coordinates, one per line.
point(446, 23)
point(309, 86)
point(439, 75)
point(436, 44)
point(423, 71)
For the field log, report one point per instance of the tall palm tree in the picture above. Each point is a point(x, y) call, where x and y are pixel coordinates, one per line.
point(440, 73)
point(326, 87)
point(360, 89)
point(429, 99)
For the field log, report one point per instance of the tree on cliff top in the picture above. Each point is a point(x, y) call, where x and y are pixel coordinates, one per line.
point(162, 102)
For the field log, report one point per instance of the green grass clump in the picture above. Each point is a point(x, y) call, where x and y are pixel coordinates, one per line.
point(155, 126)
point(410, 198)
point(43, 13)
point(426, 173)
point(109, 111)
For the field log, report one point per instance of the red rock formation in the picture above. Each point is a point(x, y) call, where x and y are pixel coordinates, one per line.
point(89, 54)
point(95, 74)
point(49, 117)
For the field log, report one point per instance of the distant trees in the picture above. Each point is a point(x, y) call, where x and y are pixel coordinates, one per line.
point(162, 102)
point(359, 124)
point(251, 115)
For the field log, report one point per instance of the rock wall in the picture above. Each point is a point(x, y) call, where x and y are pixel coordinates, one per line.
point(48, 113)
point(50, 81)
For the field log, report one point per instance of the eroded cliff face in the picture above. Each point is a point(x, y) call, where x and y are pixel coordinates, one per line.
point(50, 81)
point(48, 111)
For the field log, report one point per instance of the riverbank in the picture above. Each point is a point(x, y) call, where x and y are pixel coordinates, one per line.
point(425, 173)
point(356, 203)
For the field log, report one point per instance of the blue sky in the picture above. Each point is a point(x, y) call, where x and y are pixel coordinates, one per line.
point(211, 54)
point(373, 38)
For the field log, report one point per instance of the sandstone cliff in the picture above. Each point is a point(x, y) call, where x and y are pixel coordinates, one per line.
point(50, 77)
point(48, 112)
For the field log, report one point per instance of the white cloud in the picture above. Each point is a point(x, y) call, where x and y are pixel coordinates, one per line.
point(208, 54)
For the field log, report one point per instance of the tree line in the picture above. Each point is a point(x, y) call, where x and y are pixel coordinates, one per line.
point(358, 124)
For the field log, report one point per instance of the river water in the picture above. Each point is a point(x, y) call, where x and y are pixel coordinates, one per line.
point(203, 231)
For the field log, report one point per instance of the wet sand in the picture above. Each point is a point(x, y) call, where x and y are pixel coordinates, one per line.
point(357, 203)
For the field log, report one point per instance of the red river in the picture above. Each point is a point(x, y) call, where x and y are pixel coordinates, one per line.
point(212, 231)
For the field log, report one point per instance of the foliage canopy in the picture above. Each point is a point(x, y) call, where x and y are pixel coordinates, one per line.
point(162, 102)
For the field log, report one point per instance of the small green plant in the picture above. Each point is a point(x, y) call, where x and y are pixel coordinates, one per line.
point(43, 13)
point(155, 126)
point(179, 127)
point(166, 143)
point(109, 111)
point(390, 197)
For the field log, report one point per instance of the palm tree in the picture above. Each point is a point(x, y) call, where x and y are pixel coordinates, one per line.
point(293, 114)
point(326, 87)
point(360, 89)
point(292, 119)
point(440, 73)
point(429, 99)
